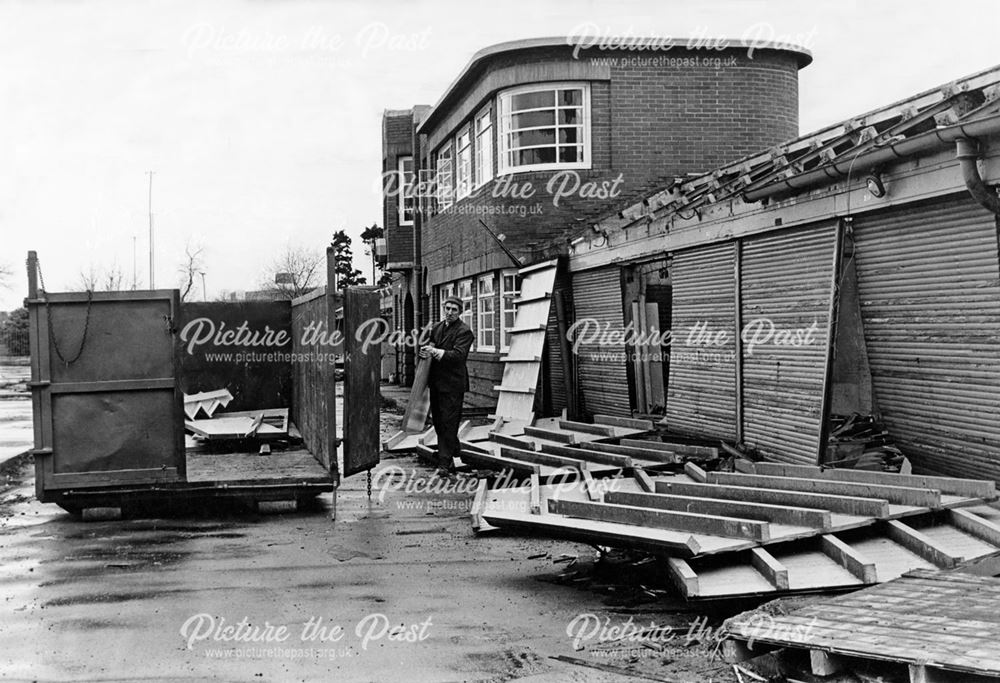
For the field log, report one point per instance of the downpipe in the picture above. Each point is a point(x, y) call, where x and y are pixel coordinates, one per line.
point(967, 153)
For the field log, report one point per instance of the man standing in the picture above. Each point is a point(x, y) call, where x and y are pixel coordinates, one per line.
point(451, 341)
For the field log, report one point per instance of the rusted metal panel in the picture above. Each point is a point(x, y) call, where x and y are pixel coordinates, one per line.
point(105, 390)
point(786, 284)
point(701, 392)
point(362, 362)
point(929, 283)
point(313, 377)
point(600, 363)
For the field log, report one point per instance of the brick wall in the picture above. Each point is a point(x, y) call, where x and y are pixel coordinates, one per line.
point(650, 122)
point(397, 141)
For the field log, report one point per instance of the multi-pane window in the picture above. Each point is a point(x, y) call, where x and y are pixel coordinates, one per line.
point(487, 313)
point(509, 289)
point(484, 147)
point(445, 189)
point(445, 292)
point(463, 166)
point(405, 194)
point(465, 294)
point(544, 127)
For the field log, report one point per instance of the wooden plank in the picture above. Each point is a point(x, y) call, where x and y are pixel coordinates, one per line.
point(540, 458)
point(600, 430)
point(744, 466)
point(478, 504)
point(972, 488)
point(770, 568)
point(683, 576)
point(588, 455)
point(643, 453)
point(534, 504)
point(849, 505)
point(695, 472)
point(514, 389)
point(974, 525)
point(590, 486)
point(899, 495)
point(419, 403)
point(848, 558)
point(512, 441)
point(713, 525)
point(778, 514)
point(644, 481)
point(913, 540)
point(550, 434)
point(680, 448)
point(500, 463)
point(627, 422)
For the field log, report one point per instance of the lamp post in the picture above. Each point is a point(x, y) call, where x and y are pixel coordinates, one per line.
point(204, 292)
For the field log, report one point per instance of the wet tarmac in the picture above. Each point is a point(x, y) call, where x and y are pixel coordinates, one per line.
point(397, 588)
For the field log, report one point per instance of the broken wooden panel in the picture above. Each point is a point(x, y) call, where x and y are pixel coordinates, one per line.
point(516, 392)
point(970, 488)
point(260, 424)
point(712, 525)
point(901, 495)
point(941, 625)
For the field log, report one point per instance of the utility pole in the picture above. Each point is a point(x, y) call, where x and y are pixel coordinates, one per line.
point(152, 276)
point(204, 292)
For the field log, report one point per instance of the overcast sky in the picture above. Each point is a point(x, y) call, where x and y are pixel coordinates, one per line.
point(261, 119)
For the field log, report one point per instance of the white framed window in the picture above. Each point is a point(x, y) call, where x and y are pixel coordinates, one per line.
point(444, 292)
point(463, 163)
point(545, 127)
point(510, 287)
point(486, 311)
point(406, 203)
point(484, 146)
point(465, 294)
point(445, 189)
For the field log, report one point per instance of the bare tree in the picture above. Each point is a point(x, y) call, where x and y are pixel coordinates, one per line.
point(113, 279)
point(95, 279)
point(6, 274)
point(293, 273)
point(89, 278)
point(192, 266)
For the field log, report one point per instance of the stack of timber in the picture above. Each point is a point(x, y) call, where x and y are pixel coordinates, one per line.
point(925, 626)
point(779, 528)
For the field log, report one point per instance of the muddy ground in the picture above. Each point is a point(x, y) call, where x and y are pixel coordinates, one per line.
point(397, 588)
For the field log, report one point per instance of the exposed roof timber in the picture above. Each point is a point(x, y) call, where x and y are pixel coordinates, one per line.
point(895, 131)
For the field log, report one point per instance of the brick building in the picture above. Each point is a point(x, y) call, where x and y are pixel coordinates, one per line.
point(535, 141)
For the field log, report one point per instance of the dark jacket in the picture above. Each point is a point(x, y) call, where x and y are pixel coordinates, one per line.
point(449, 373)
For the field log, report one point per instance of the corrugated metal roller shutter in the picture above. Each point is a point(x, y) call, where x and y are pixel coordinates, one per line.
point(556, 377)
point(786, 286)
point(701, 392)
point(929, 281)
point(601, 375)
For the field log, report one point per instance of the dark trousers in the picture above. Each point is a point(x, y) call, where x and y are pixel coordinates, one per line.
point(446, 413)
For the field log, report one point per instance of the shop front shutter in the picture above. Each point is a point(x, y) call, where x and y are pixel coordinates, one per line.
point(929, 283)
point(786, 283)
point(701, 391)
point(601, 376)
